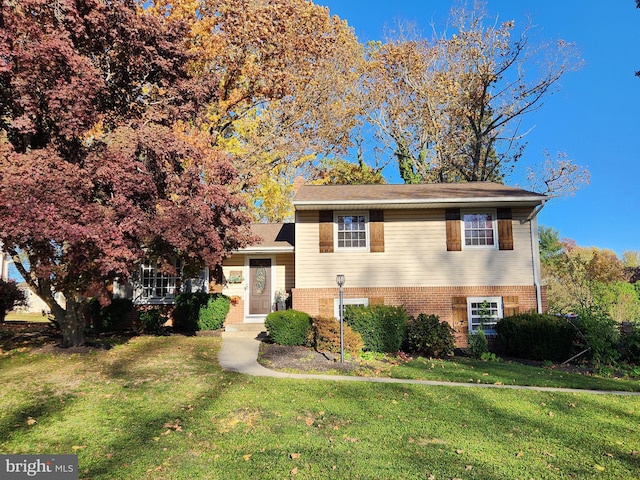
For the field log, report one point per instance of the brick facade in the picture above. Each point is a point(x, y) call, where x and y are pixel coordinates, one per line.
point(429, 300)
point(236, 312)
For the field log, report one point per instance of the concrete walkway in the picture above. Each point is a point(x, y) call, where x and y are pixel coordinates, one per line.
point(239, 353)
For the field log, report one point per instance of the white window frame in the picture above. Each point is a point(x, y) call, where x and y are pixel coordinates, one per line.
point(336, 234)
point(347, 301)
point(489, 326)
point(162, 283)
point(494, 227)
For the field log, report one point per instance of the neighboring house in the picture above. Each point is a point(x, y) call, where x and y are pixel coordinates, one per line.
point(467, 252)
point(33, 303)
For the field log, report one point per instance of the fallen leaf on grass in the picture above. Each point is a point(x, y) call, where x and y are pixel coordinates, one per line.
point(75, 448)
point(459, 451)
point(600, 468)
point(175, 425)
point(294, 455)
point(468, 467)
point(31, 421)
point(246, 457)
point(519, 455)
point(294, 471)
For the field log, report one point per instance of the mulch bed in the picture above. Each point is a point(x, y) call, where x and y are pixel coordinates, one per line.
point(280, 357)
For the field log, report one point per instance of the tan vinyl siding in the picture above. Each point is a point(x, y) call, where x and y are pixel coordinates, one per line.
point(415, 255)
point(285, 271)
point(235, 263)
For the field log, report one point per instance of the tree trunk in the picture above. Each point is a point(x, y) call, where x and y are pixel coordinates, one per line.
point(72, 324)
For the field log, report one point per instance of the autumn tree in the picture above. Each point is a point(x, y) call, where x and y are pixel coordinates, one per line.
point(343, 172)
point(99, 163)
point(287, 70)
point(451, 109)
point(581, 278)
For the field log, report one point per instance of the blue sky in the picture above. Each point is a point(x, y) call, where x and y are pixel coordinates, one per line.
point(593, 117)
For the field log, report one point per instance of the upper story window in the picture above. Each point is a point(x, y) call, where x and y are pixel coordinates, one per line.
point(352, 230)
point(479, 229)
point(484, 312)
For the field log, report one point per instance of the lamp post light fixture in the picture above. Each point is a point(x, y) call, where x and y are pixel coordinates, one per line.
point(340, 281)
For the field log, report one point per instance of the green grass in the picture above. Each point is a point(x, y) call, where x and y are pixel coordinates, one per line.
point(26, 317)
point(161, 408)
point(467, 370)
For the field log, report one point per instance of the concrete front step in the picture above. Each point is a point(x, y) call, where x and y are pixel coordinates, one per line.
point(244, 327)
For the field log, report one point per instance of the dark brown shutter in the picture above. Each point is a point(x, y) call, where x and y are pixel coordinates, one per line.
point(326, 231)
point(510, 306)
point(454, 240)
point(460, 315)
point(376, 230)
point(505, 229)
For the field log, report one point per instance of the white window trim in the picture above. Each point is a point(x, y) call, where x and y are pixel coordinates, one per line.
point(169, 298)
point(499, 316)
point(345, 302)
point(494, 225)
point(337, 214)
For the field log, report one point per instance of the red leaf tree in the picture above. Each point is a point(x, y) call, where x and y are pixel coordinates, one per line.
point(98, 166)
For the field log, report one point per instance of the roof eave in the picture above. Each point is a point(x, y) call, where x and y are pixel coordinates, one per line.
point(261, 249)
point(419, 203)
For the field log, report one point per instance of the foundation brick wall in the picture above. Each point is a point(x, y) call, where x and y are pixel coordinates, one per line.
point(429, 300)
point(236, 313)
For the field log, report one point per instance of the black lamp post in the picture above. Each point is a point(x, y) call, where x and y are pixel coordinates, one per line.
point(340, 281)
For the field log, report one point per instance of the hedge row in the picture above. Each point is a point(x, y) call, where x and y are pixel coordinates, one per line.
point(378, 328)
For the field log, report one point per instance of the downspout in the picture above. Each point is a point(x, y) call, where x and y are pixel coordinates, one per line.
point(535, 253)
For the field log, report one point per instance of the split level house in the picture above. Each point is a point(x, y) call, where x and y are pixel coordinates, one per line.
point(467, 252)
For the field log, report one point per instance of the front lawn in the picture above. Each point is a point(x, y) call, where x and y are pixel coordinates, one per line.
point(161, 408)
point(464, 369)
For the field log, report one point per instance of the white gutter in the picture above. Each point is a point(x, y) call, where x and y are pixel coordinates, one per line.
point(535, 253)
point(259, 249)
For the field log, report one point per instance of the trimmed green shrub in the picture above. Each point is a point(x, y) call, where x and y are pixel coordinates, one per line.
point(289, 327)
point(151, 321)
point(212, 315)
point(429, 337)
point(187, 310)
point(10, 296)
point(382, 327)
point(600, 333)
point(536, 336)
point(110, 317)
point(478, 343)
point(326, 336)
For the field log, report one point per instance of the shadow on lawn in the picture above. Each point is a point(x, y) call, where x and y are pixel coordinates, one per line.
point(119, 402)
